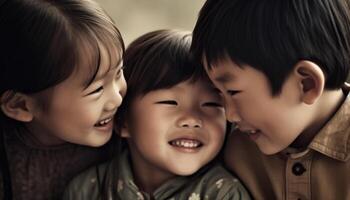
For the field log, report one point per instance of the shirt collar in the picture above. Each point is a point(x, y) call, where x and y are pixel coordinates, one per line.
point(334, 138)
point(127, 187)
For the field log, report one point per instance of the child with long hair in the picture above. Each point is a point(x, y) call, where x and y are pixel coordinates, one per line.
point(61, 83)
point(174, 126)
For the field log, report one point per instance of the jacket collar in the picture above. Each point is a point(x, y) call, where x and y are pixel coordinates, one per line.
point(334, 138)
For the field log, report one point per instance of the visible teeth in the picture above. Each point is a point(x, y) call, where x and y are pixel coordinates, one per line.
point(186, 143)
point(103, 122)
point(250, 131)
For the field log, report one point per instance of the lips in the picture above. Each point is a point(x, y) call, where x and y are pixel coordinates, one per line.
point(252, 134)
point(186, 143)
point(103, 122)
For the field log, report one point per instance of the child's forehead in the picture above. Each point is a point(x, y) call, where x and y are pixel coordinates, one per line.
point(201, 84)
point(93, 64)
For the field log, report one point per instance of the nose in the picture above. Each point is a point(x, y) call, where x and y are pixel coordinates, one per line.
point(114, 101)
point(231, 113)
point(189, 121)
point(116, 95)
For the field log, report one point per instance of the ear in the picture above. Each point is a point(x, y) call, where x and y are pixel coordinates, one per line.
point(16, 105)
point(124, 132)
point(311, 80)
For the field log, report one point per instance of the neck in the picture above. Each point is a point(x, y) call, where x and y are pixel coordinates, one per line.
point(147, 176)
point(323, 111)
point(42, 137)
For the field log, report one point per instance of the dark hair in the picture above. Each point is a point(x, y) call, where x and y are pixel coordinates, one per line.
point(157, 60)
point(42, 43)
point(272, 36)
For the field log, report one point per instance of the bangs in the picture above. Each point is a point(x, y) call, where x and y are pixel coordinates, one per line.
point(259, 38)
point(88, 50)
point(272, 36)
point(158, 60)
point(246, 39)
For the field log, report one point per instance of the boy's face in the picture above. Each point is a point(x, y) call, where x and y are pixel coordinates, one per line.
point(272, 122)
point(82, 115)
point(176, 131)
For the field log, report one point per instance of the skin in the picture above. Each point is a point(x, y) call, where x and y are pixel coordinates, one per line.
point(291, 118)
point(188, 113)
point(75, 111)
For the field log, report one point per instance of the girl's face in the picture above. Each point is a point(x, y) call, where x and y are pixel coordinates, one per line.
point(78, 114)
point(175, 131)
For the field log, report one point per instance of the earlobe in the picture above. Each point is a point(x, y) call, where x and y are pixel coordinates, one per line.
point(124, 132)
point(311, 80)
point(16, 106)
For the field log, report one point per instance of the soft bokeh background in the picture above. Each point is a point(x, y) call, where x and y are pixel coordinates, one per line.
point(136, 17)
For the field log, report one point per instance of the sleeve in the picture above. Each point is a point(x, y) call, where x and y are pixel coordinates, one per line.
point(69, 194)
point(85, 186)
point(75, 190)
point(236, 192)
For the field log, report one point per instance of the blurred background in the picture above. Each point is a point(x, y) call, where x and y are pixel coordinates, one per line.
point(136, 17)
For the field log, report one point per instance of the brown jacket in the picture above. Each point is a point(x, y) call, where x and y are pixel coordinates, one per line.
point(320, 172)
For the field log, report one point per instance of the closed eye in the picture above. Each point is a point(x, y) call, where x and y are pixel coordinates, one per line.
point(100, 89)
point(119, 73)
point(212, 104)
point(169, 102)
point(232, 92)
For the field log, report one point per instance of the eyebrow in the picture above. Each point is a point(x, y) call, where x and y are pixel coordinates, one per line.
point(224, 78)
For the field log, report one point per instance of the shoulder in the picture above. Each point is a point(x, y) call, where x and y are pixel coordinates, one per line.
point(218, 183)
point(86, 184)
point(236, 149)
point(236, 140)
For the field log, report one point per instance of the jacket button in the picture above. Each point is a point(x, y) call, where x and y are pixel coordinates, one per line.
point(298, 169)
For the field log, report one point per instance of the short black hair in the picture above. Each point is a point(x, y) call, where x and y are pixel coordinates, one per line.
point(157, 60)
point(272, 36)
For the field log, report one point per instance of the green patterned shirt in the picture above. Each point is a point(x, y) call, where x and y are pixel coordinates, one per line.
point(207, 184)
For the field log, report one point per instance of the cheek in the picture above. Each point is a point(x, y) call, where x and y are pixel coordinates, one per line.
point(273, 119)
point(217, 136)
point(83, 113)
point(221, 125)
point(147, 125)
point(123, 86)
point(216, 126)
point(69, 107)
point(214, 117)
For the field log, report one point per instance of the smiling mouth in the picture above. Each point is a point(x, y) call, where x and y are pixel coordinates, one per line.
point(252, 134)
point(186, 143)
point(246, 130)
point(103, 122)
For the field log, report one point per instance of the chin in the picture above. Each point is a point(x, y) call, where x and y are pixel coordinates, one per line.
point(186, 171)
point(269, 150)
point(95, 145)
point(98, 142)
